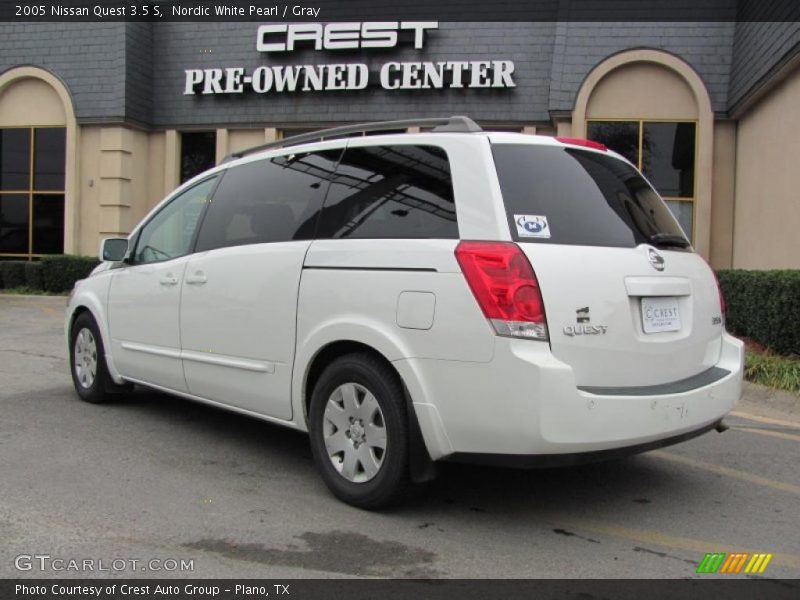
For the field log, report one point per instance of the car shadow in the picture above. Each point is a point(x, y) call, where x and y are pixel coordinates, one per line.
point(639, 482)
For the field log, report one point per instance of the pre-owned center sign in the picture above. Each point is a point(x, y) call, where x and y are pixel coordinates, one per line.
point(392, 75)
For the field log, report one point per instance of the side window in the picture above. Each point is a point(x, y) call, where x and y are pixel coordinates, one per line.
point(270, 200)
point(390, 192)
point(169, 233)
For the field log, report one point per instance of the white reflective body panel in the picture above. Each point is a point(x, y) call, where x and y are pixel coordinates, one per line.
point(143, 309)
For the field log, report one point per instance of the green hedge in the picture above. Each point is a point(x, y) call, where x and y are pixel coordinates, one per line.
point(761, 305)
point(55, 274)
point(59, 273)
point(12, 273)
point(33, 275)
point(773, 370)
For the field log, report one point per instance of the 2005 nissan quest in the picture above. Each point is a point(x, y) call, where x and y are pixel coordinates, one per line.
point(453, 294)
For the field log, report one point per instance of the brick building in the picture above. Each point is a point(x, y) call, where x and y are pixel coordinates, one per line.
point(99, 121)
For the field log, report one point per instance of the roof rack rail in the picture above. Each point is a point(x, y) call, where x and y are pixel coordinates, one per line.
point(455, 124)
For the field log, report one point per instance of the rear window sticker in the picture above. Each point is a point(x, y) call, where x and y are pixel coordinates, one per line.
point(532, 226)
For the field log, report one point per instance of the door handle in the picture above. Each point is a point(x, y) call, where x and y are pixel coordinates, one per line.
point(169, 280)
point(198, 278)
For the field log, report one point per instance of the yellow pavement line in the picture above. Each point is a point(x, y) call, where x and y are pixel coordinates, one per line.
point(768, 420)
point(645, 536)
point(728, 472)
point(51, 311)
point(769, 432)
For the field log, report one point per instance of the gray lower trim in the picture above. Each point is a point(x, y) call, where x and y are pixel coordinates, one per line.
point(546, 461)
point(675, 387)
point(228, 361)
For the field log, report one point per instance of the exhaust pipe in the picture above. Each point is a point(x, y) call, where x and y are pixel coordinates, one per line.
point(722, 427)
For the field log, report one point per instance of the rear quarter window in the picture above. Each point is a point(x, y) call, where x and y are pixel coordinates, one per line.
point(400, 191)
point(269, 200)
point(586, 198)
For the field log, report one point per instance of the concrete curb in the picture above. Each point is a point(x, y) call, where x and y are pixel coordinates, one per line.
point(768, 402)
point(35, 296)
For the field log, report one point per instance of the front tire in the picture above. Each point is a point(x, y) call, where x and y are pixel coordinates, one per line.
point(87, 361)
point(359, 431)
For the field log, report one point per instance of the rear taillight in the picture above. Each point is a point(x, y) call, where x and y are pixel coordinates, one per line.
point(505, 286)
point(719, 290)
point(721, 295)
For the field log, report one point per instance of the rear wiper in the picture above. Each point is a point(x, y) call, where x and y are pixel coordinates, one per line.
point(669, 239)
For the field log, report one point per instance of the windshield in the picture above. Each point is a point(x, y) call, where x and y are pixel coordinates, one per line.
point(572, 196)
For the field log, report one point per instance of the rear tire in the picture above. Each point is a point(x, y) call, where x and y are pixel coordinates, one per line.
point(359, 431)
point(87, 359)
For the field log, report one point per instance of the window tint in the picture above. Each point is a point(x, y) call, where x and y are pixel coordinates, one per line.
point(48, 223)
point(588, 198)
point(390, 192)
point(621, 136)
point(15, 160)
point(14, 224)
point(198, 153)
point(668, 157)
point(49, 160)
point(684, 212)
point(667, 151)
point(169, 233)
point(32, 200)
point(270, 200)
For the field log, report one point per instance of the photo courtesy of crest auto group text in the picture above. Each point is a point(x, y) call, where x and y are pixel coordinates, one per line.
point(339, 298)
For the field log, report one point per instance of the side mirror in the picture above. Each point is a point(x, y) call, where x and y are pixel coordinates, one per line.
point(113, 249)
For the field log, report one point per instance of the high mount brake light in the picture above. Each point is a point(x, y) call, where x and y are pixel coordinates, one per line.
point(504, 284)
point(583, 142)
point(722, 306)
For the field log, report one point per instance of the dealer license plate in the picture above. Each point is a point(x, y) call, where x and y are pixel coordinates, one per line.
point(660, 314)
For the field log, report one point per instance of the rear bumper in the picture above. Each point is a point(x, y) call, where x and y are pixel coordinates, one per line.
point(544, 461)
point(525, 403)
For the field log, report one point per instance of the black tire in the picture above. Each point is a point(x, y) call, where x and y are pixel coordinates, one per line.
point(102, 387)
point(391, 484)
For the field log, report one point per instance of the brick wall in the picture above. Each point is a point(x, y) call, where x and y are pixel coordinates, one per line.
point(139, 72)
point(135, 71)
point(88, 57)
point(579, 47)
point(759, 48)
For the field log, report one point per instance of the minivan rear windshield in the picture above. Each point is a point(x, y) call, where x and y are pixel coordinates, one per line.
point(572, 196)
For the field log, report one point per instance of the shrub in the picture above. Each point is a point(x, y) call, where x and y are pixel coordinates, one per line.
point(774, 371)
point(761, 306)
point(12, 273)
point(59, 273)
point(33, 275)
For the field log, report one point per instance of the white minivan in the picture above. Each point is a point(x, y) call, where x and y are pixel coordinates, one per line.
point(405, 298)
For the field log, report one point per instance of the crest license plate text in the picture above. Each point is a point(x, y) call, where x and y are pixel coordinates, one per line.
point(660, 314)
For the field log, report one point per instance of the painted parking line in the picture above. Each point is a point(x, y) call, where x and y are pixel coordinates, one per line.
point(767, 420)
point(728, 472)
point(768, 432)
point(645, 536)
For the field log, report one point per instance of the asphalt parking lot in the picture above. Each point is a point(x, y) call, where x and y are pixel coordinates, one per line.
point(153, 477)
